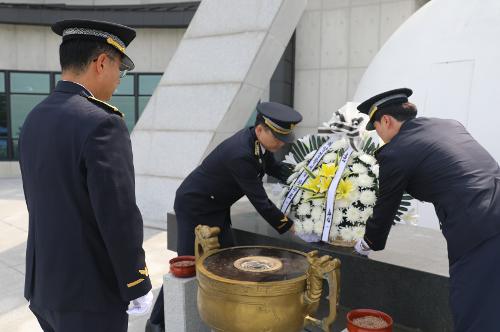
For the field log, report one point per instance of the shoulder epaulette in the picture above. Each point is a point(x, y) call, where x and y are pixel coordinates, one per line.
point(104, 105)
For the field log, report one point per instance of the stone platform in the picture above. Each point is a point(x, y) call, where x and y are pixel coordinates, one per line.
point(408, 280)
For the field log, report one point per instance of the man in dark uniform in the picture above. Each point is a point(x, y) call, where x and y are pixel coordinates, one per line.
point(438, 161)
point(233, 169)
point(84, 258)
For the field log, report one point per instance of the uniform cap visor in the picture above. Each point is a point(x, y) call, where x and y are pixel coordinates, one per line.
point(284, 138)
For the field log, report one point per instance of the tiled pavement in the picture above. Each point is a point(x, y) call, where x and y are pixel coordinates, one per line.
point(14, 313)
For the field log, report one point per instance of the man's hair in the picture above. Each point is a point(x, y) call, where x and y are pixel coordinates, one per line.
point(76, 54)
point(259, 120)
point(403, 112)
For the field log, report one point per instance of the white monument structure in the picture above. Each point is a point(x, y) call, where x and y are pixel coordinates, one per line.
point(222, 66)
point(448, 52)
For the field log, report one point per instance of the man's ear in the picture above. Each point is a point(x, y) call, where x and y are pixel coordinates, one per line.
point(100, 62)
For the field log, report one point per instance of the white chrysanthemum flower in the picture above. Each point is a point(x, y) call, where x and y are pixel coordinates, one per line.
point(296, 199)
point(352, 197)
point(355, 154)
point(358, 232)
point(304, 209)
point(364, 180)
point(337, 216)
point(375, 169)
point(330, 157)
point(334, 233)
point(367, 159)
point(353, 214)
point(366, 213)
point(318, 202)
point(316, 213)
point(347, 233)
point(300, 165)
point(340, 144)
point(298, 226)
point(358, 168)
point(308, 226)
point(367, 197)
point(307, 194)
point(292, 177)
point(342, 203)
point(310, 155)
point(318, 228)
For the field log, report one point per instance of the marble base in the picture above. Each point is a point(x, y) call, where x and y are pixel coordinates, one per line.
point(417, 300)
point(181, 311)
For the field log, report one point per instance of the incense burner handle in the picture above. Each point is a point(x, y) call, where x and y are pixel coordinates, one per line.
point(206, 240)
point(322, 268)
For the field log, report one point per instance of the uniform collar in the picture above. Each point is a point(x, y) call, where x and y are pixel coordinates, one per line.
point(404, 126)
point(73, 88)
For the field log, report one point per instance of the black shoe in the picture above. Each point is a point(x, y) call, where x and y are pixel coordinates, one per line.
point(150, 327)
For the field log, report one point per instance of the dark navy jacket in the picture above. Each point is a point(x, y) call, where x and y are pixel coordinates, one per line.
point(438, 161)
point(84, 248)
point(233, 169)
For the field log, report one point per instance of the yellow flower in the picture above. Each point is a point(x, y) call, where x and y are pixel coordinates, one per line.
point(328, 170)
point(324, 184)
point(344, 189)
point(313, 184)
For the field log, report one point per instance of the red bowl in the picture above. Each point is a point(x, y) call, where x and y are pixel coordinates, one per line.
point(183, 266)
point(358, 313)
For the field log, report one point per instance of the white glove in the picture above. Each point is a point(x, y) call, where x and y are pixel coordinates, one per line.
point(140, 305)
point(362, 247)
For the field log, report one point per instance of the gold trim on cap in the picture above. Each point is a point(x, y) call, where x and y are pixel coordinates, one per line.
point(115, 44)
point(275, 127)
point(372, 112)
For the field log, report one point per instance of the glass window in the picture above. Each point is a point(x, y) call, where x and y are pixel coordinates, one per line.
point(21, 105)
point(2, 82)
point(3, 115)
point(57, 78)
point(143, 101)
point(125, 105)
point(3, 148)
point(15, 148)
point(29, 83)
point(148, 83)
point(126, 86)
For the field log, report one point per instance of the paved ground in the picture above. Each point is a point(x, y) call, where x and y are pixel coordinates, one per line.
point(14, 313)
point(426, 251)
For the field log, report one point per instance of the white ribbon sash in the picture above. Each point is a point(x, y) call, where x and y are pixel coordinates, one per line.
point(320, 153)
point(332, 192)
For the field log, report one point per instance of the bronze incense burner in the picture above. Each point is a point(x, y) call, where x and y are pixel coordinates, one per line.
point(262, 289)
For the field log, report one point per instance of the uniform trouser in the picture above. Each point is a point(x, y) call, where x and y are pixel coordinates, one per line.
point(185, 246)
point(475, 288)
point(81, 321)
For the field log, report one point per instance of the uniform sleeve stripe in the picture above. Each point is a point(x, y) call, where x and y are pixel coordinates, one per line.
point(135, 283)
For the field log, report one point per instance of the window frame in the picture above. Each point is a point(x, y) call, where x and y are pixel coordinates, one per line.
point(11, 155)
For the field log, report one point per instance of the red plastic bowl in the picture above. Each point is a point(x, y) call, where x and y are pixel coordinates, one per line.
point(358, 313)
point(183, 266)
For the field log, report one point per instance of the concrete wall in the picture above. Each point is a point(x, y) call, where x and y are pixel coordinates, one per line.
point(336, 41)
point(222, 67)
point(151, 50)
point(9, 169)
